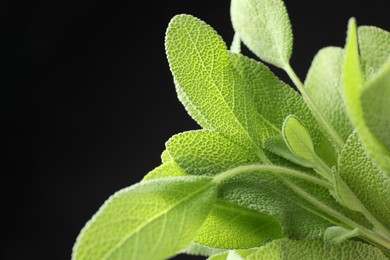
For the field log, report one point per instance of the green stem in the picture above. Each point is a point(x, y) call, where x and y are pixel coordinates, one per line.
point(366, 233)
point(275, 170)
point(330, 130)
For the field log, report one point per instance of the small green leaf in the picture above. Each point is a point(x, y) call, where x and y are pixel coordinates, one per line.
point(353, 89)
point(338, 235)
point(150, 220)
point(316, 249)
point(230, 226)
point(324, 86)
point(298, 138)
point(204, 152)
point(374, 44)
point(264, 27)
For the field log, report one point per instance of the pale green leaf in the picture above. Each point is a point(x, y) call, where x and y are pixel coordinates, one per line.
point(376, 105)
point(201, 250)
point(233, 254)
point(316, 249)
point(365, 180)
point(338, 234)
point(150, 220)
point(165, 157)
point(207, 83)
point(168, 169)
point(236, 44)
point(264, 27)
point(324, 86)
point(298, 138)
point(353, 88)
point(275, 100)
point(233, 227)
point(204, 152)
point(374, 44)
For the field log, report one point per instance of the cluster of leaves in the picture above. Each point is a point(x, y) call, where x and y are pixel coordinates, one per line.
point(272, 174)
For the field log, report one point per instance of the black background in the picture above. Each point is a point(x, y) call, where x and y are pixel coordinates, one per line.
point(88, 102)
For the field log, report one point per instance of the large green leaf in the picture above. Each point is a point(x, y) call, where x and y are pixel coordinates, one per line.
point(207, 84)
point(374, 44)
point(168, 169)
point(275, 100)
point(376, 105)
point(324, 86)
point(316, 249)
point(265, 28)
point(365, 180)
point(204, 152)
point(233, 227)
point(150, 220)
point(353, 87)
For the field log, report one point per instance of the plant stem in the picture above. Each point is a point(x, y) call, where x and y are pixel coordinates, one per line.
point(278, 170)
point(366, 233)
point(330, 130)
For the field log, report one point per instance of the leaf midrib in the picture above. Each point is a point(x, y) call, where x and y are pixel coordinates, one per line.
point(156, 217)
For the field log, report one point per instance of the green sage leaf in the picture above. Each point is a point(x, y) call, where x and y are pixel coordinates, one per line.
point(264, 27)
point(150, 220)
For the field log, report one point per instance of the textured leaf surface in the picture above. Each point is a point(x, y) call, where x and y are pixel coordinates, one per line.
point(316, 249)
point(207, 84)
point(374, 46)
point(265, 28)
point(205, 152)
point(275, 100)
point(365, 180)
point(151, 220)
point(376, 105)
point(233, 227)
point(324, 86)
point(265, 193)
point(353, 88)
point(298, 138)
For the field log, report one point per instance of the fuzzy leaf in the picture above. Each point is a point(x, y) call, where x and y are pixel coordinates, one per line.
point(339, 234)
point(275, 100)
point(324, 86)
point(316, 249)
point(374, 44)
point(200, 64)
point(135, 221)
point(353, 88)
point(264, 27)
point(298, 138)
point(365, 180)
point(204, 152)
point(376, 105)
point(233, 227)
